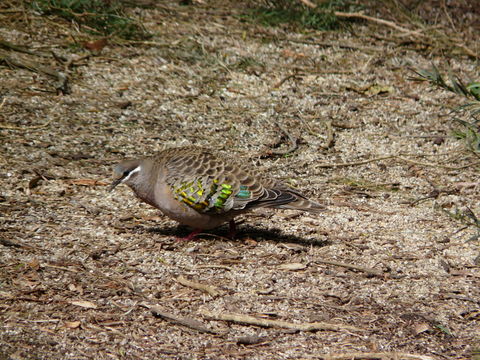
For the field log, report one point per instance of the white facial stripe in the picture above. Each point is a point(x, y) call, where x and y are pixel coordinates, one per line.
point(137, 169)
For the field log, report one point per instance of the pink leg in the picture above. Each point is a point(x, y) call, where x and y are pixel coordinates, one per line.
point(232, 229)
point(190, 236)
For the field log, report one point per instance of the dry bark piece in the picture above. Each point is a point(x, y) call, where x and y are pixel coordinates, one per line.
point(72, 324)
point(84, 303)
point(292, 266)
point(211, 290)
point(353, 267)
point(188, 322)
point(250, 339)
point(250, 320)
point(375, 356)
point(96, 45)
point(291, 148)
point(420, 328)
point(61, 85)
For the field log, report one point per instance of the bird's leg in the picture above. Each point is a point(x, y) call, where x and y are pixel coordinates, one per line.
point(232, 229)
point(190, 236)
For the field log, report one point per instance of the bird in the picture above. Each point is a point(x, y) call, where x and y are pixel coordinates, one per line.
point(203, 190)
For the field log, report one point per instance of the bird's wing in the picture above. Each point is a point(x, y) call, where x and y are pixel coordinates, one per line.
point(208, 183)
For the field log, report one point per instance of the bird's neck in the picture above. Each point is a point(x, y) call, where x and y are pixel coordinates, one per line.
point(144, 187)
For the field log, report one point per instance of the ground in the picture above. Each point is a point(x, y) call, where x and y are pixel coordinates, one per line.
point(81, 268)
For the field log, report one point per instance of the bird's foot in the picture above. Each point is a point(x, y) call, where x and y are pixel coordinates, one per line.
point(232, 231)
point(190, 236)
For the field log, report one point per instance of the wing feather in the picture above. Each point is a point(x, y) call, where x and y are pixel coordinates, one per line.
point(210, 184)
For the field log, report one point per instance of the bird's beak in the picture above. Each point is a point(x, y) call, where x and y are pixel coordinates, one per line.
point(114, 184)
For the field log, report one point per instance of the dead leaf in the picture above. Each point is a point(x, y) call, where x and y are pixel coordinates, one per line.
point(250, 242)
point(373, 89)
point(87, 182)
point(420, 328)
point(146, 217)
point(33, 183)
point(376, 89)
point(71, 324)
point(472, 315)
point(466, 185)
point(5, 294)
point(292, 54)
point(293, 247)
point(292, 266)
point(97, 45)
point(84, 303)
point(47, 330)
point(76, 288)
point(34, 264)
point(464, 273)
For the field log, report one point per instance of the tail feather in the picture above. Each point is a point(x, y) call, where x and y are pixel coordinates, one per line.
point(286, 198)
point(304, 205)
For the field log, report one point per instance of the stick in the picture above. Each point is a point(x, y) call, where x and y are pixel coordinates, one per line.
point(293, 144)
point(351, 266)
point(250, 320)
point(17, 244)
point(211, 290)
point(188, 322)
point(282, 81)
point(355, 163)
point(376, 20)
point(26, 128)
point(308, 3)
point(362, 162)
point(62, 80)
point(438, 165)
point(330, 136)
point(376, 356)
point(8, 45)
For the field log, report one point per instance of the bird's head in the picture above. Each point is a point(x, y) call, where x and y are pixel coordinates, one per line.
point(126, 172)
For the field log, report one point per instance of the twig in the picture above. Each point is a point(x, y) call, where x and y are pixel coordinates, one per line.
point(351, 266)
point(376, 20)
point(211, 290)
point(10, 127)
point(188, 322)
point(214, 266)
point(72, 60)
point(444, 8)
point(8, 45)
point(308, 3)
point(250, 320)
point(330, 135)
point(375, 356)
point(354, 163)
point(362, 162)
point(438, 165)
point(11, 11)
point(6, 242)
point(335, 45)
point(62, 80)
point(282, 81)
point(293, 144)
point(59, 268)
point(467, 50)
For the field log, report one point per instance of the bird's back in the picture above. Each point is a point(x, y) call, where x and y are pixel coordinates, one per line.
point(212, 184)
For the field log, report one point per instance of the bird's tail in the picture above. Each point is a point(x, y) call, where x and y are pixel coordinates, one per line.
point(284, 197)
point(304, 205)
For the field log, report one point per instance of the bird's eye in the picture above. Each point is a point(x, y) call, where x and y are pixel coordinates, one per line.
point(125, 173)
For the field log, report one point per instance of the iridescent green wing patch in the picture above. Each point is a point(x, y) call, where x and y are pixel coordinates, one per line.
point(208, 195)
point(192, 193)
point(243, 193)
point(221, 195)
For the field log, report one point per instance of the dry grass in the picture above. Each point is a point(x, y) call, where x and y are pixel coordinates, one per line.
point(81, 269)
